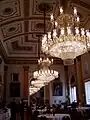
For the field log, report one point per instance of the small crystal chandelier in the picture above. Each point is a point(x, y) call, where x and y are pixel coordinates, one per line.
point(45, 74)
point(37, 83)
point(67, 40)
point(33, 90)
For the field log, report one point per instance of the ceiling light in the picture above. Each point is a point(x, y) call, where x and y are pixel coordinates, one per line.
point(67, 40)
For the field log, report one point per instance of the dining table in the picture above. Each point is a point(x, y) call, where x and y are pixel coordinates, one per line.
point(54, 116)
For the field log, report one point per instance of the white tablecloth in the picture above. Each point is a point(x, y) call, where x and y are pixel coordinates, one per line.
point(40, 111)
point(55, 117)
point(83, 108)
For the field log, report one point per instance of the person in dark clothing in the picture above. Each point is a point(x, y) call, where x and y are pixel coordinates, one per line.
point(13, 107)
point(22, 109)
point(74, 104)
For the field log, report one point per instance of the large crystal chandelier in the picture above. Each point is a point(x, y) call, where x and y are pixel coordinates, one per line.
point(33, 90)
point(67, 40)
point(38, 83)
point(45, 74)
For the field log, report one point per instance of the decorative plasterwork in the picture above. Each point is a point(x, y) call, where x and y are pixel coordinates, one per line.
point(38, 26)
point(15, 48)
point(36, 7)
point(11, 29)
point(9, 9)
point(32, 37)
point(22, 26)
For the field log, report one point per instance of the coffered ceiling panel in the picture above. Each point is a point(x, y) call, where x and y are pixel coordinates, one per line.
point(37, 7)
point(38, 26)
point(22, 26)
point(16, 49)
point(33, 37)
point(10, 10)
point(12, 29)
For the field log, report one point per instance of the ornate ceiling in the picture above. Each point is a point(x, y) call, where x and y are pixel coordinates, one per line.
point(22, 25)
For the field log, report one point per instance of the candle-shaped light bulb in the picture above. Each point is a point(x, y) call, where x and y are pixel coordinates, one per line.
point(87, 33)
point(77, 30)
point(40, 59)
point(82, 31)
point(75, 11)
point(46, 48)
point(68, 30)
point(54, 33)
point(49, 35)
point(62, 31)
point(61, 10)
point(47, 59)
point(78, 19)
point(52, 60)
point(52, 18)
point(49, 71)
point(52, 71)
point(56, 24)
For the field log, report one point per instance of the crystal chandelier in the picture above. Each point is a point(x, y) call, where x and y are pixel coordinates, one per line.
point(67, 40)
point(33, 90)
point(37, 83)
point(45, 74)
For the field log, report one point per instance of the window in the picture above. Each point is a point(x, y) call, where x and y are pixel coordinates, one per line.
point(15, 77)
point(73, 94)
point(87, 91)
